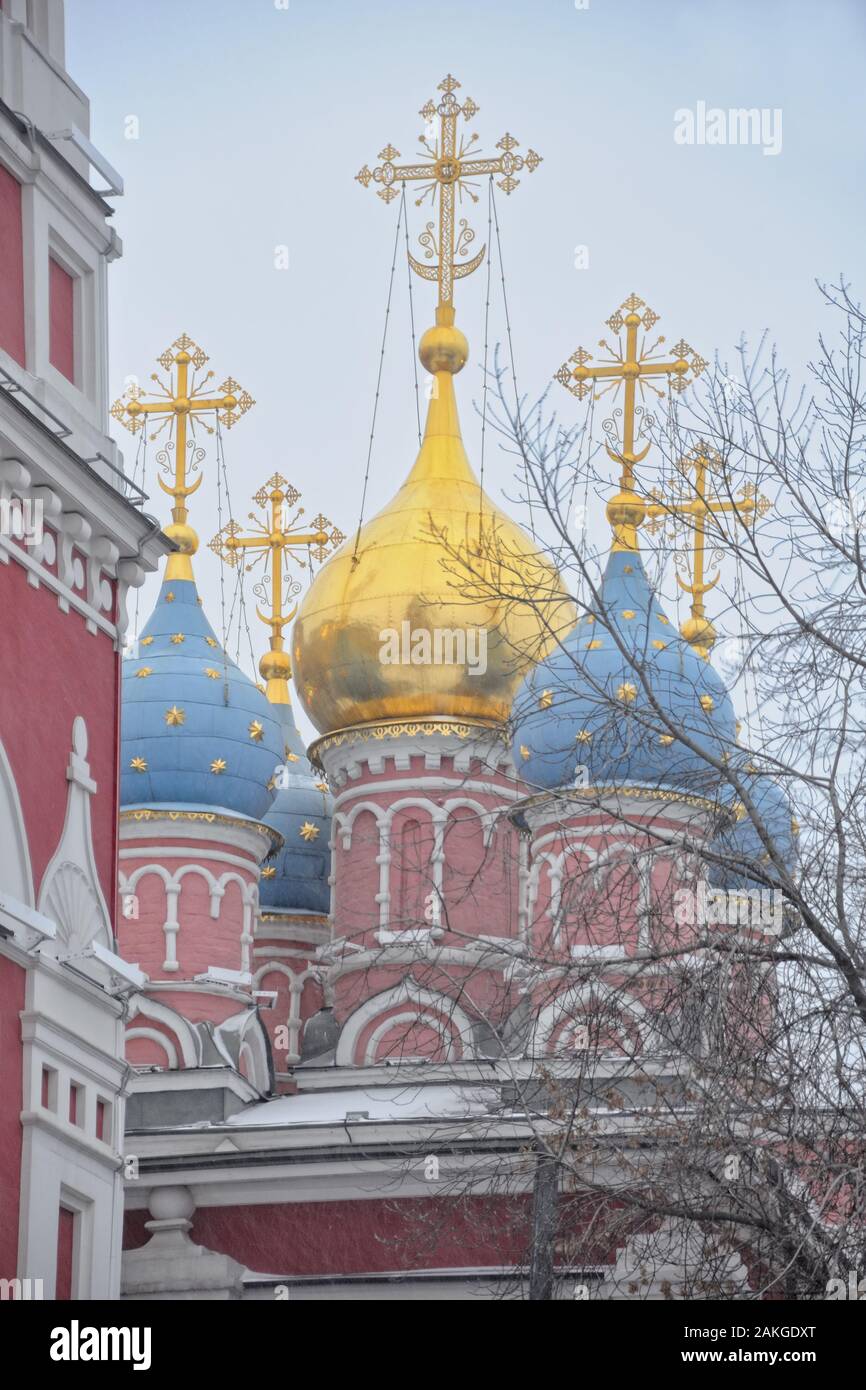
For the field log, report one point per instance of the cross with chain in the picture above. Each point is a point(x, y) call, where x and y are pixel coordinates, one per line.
point(636, 366)
point(277, 535)
point(181, 400)
point(451, 168)
point(698, 508)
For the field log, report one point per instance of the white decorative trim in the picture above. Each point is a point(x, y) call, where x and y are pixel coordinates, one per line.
point(572, 1001)
point(173, 883)
point(440, 815)
point(71, 894)
point(154, 1035)
point(143, 1005)
point(431, 1009)
point(297, 981)
point(14, 845)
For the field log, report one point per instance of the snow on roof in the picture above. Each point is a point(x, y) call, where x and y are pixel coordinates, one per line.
point(375, 1104)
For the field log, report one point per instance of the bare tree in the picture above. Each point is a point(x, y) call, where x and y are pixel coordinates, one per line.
point(689, 1118)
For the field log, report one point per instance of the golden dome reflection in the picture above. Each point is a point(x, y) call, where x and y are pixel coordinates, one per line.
point(427, 622)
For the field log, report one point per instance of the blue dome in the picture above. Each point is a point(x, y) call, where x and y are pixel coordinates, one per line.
point(742, 845)
point(195, 731)
point(296, 879)
point(587, 703)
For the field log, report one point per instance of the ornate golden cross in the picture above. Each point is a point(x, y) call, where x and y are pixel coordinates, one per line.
point(177, 402)
point(632, 365)
point(449, 169)
point(694, 511)
point(275, 536)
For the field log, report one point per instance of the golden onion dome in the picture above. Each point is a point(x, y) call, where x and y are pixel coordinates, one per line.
point(442, 560)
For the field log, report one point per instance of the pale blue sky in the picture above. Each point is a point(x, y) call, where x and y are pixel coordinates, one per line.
point(254, 120)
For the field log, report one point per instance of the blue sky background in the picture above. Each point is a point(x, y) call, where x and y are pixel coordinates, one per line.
point(254, 120)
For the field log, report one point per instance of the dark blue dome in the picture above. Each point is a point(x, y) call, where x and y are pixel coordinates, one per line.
point(741, 844)
point(296, 878)
point(592, 701)
point(195, 731)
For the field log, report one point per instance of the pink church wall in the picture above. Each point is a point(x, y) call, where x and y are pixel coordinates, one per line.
point(12, 278)
point(81, 677)
point(12, 984)
point(321, 1238)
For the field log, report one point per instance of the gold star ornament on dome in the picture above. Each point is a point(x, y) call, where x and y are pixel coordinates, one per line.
point(308, 831)
point(174, 717)
point(448, 170)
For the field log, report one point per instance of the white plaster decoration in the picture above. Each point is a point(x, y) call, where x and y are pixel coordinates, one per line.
point(103, 555)
point(171, 1265)
point(343, 825)
point(437, 1010)
point(297, 981)
point(16, 873)
point(154, 1035)
point(678, 1260)
point(576, 1001)
point(130, 575)
point(71, 893)
point(216, 886)
point(144, 1007)
point(75, 535)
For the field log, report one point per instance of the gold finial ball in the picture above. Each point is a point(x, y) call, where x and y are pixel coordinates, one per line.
point(275, 666)
point(443, 349)
point(183, 359)
point(699, 633)
point(181, 405)
point(184, 537)
point(625, 509)
point(229, 402)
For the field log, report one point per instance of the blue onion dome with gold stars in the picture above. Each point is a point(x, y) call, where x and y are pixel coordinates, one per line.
point(744, 848)
point(614, 694)
point(195, 731)
point(295, 880)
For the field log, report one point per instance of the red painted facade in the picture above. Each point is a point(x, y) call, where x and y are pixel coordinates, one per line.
point(61, 296)
point(12, 277)
point(12, 983)
point(52, 663)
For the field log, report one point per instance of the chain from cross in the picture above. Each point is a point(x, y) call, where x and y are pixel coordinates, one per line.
point(695, 511)
point(177, 405)
point(636, 366)
point(277, 536)
point(452, 168)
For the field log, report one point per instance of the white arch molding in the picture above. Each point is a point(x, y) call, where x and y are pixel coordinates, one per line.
point(344, 824)
point(431, 1008)
point(571, 1004)
point(154, 1035)
point(173, 882)
point(297, 980)
point(16, 870)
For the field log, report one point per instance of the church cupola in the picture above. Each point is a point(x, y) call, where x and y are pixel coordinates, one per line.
point(440, 560)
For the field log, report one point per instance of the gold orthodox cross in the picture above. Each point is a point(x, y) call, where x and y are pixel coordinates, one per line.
point(178, 401)
point(451, 168)
point(698, 508)
point(635, 366)
point(277, 535)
